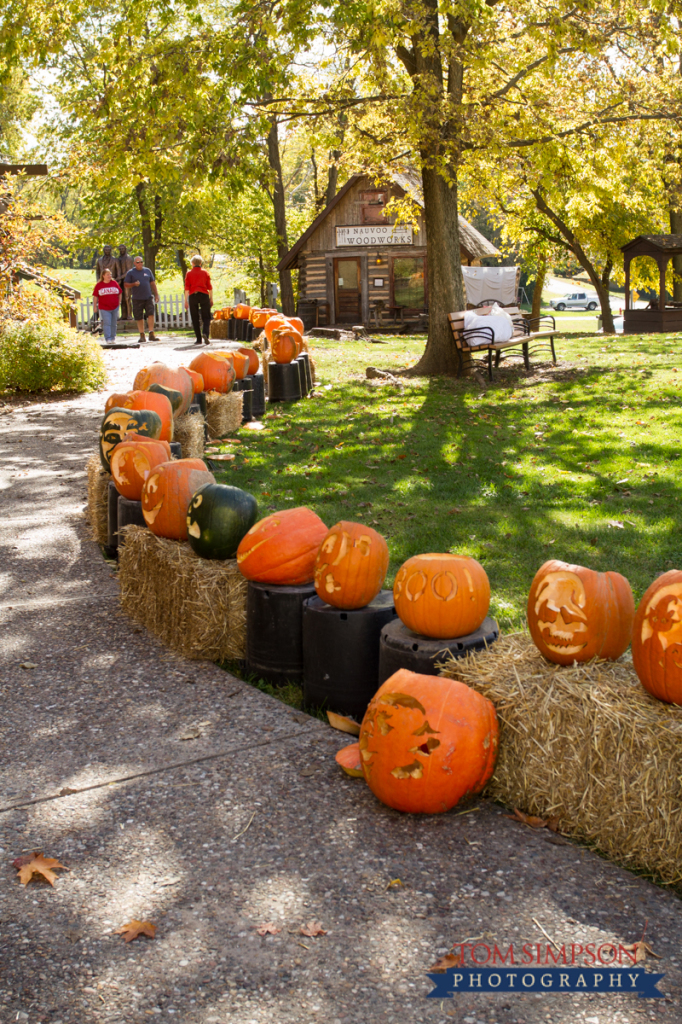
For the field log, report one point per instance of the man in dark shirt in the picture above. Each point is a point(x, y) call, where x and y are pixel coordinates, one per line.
point(199, 299)
point(140, 283)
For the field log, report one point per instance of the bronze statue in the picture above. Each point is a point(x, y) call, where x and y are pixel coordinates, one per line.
point(107, 261)
point(125, 263)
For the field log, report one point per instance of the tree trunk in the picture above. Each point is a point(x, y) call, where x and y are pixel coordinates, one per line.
point(540, 276)
point(279, 205)
point(444, 274)
point(151, 218)
point(261, 274)
point(182, 261)
point(676, 229)
point(332, 177)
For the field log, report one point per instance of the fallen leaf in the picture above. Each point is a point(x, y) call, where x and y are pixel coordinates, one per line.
point(131, 930)
point(533, 821)
point(641, 950)
point(312, 929)
point(268, 929)
point(190, 734)
point(343, 723)
point(445, 962)
point(37, 865)
point(402, 456)
point(619, 526)
point(454, 511)
point(396, 881)
point(28, 664)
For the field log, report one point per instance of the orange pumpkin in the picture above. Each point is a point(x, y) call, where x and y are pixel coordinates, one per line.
point(441, 596)
point(240, 363)
point(426, 742)
point(176, 380)
point(576, 614)
point(117, 400)
point(159, 404)
point(252, 356)
point(351, 565)
point(259, 317)
point(351, 762)
point(131, 463)
point(241, 311)
point(217, 371)
point(657, 638)
point(197, 379)
point(167, 492)
point(278, 320)
point(285, 344)
point(296, 323)
point(282, 548)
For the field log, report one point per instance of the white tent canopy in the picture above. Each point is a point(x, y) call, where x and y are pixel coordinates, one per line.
point(499, 284)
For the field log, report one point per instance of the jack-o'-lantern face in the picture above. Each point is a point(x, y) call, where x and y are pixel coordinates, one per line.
point(351, 565)
point(560, 608)
point(442, 595)
point(119, 422)
point(657, 638)
point(166, 495)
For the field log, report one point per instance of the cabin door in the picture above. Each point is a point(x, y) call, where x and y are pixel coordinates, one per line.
point(347, 296)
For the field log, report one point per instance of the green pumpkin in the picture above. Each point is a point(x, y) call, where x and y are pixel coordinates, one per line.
point(173, 396)
point(119, 422)
point(217, 518)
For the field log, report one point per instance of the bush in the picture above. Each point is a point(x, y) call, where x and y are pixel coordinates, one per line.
point(48, 355)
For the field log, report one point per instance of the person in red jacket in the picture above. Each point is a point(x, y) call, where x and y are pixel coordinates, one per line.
point(199, 299)
point(107, 296)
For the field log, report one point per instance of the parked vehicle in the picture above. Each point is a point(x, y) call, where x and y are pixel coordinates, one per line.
point(575, 300)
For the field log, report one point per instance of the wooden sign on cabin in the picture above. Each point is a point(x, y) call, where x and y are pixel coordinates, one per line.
point(353, 259)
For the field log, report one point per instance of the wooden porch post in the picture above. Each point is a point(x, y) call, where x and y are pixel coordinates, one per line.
point(627, 282)
point(662, 264)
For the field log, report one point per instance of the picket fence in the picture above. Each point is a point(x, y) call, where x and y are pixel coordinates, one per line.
point(170, 313)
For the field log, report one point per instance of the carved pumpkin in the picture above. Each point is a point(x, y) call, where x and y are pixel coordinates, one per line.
point(426, 742)
point(281, 549)
point(217, 519)
point(119, 400)
point(285, 341)
point(252, 357)
point(351, 762)
point(297, 324)
point(240, 363)
point(197, 380)
point(241, 311)
point(166, 495)
point(351, 565)
point(576, 614)
point(132, 462)
point(657, 638)
point(259, 317)
point(117, 423)
point(157, 402)
point(177, 380)
point(442, 596)
point(278, 320)
point(217, 371)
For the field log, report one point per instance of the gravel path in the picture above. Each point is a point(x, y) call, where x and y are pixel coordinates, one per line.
point(175, 793)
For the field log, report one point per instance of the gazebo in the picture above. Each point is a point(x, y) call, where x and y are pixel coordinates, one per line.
point(667, 316)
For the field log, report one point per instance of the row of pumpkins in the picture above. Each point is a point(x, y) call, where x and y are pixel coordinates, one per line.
point(284, 333)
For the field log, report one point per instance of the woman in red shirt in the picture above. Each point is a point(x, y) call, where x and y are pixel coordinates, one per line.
point(107, 296)
point(199, 299)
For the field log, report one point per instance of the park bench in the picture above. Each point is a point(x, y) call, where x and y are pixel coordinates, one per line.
point(527, 330)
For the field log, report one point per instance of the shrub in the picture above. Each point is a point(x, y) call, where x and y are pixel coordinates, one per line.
point(48, 355)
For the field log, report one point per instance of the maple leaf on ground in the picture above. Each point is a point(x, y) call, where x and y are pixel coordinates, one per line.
point(268, 929)
point(131, 930)
point(35, 864)
point(641, 950)
point(312, 929)
point(533, 821)
point(445, 962)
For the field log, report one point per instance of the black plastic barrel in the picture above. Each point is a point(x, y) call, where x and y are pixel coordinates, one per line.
point(129, 513)
point(231, 328)
point(246, 389)
point(250, 331)
point(198, 403)
point(401, 648)
point(274, 631)
point(176, 450)
point(305, 359)
point(284, 382)
point(302, 375)
point(341, 653)
point(111, 546)
point(258, 396)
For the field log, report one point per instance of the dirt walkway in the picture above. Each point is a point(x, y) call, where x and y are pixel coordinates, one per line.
point(174, 792)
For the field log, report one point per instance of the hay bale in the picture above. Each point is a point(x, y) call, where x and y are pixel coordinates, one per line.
point(223, 413)
point(588, 745)
point(195, 606)
point(189, 431)
point(98, 487)
point(218, 329)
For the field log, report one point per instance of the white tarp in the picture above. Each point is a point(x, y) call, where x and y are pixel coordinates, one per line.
point(495, 283)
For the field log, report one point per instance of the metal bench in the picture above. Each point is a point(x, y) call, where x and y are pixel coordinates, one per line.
point(527, 330)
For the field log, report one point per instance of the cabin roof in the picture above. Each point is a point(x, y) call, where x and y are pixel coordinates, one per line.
point(475, 244)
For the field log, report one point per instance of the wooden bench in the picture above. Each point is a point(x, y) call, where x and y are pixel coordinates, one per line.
point(526, 331)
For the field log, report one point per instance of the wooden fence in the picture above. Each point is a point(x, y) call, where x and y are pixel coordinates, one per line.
point(170, 313)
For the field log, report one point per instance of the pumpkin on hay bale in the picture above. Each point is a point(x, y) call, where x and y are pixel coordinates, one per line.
point(223, 413)
point(189, 431)
point(587, 745)
point(196, 607)
point(98, 489)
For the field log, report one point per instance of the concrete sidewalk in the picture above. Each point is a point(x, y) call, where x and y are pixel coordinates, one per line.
point(176, 793)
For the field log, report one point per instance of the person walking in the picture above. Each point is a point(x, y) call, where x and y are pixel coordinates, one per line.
point(142, 286)
point(199, 299)
point(107, 298)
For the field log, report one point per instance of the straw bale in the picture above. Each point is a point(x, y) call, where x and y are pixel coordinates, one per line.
point(586, 744)
point(98, 509)
point(223, 413)
point(195, 606)
point(218, 329)
point(189, 431)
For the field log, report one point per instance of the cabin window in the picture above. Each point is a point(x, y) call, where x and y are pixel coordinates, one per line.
point(409, 282)
point(373, 209)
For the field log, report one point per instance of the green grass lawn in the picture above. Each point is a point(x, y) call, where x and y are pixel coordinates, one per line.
point(577, 462)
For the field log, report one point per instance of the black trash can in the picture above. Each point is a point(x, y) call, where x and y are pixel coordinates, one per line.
point(302, 374)
point(341, 653)
point(401, 648)
point(274, 631)
point(284, 382)
point(258, 396)
point(231, 328)
point(305, 359)
point(111, 546)
point(129, 513)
